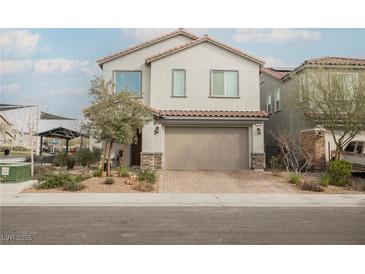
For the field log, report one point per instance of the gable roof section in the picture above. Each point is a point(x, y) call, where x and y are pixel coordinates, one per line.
point(276, 73)
point(156, 40)
point(329, 61)
point(203, 39)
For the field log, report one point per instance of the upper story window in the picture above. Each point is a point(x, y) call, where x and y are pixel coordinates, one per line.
point(178, 83)
point(268, 104)
point(345, 83)
point(277, 100)
point(224, 83)
point(130, 81)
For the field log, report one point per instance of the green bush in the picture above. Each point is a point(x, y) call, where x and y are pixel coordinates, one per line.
point(86, 157)
point(73, 186)
point(325, 180)
point(97, 173)
point(275, 165)
point(147, 175)
point(339, 172)
point(294, 179)
point(58, 180)
point(123, 171)
point(109, 181)
point(70, 162)
point(311, 186)
point(60, 159)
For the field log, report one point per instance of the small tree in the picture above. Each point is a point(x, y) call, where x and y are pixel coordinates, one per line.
point(114, 117)
point(295, 157)
point(336, 102)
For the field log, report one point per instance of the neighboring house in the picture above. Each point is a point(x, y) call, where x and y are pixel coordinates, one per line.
point(6, 136)
point(206, 102)
point(282, 96)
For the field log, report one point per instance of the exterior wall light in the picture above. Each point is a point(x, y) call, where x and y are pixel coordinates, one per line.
point(259, 131)
point(157, 130)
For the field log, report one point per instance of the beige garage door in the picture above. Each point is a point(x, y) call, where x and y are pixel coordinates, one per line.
point(206, 148)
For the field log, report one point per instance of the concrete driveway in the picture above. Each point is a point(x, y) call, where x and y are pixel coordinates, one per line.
point(222, 181)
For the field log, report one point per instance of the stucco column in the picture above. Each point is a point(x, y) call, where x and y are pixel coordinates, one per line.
point(258, 156)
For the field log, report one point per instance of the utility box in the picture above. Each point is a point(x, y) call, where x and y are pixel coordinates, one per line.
point(15, 173)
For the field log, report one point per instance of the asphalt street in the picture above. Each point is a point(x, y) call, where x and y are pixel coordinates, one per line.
point(182, 225)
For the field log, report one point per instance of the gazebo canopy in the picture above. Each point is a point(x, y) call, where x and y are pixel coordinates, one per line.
point(4, 107)
point(61, 132)
point(49, 116)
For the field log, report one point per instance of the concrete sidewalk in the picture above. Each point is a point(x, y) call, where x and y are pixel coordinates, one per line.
point(11, 196)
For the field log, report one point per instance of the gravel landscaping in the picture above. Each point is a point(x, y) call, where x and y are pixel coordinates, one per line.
point(97, 185)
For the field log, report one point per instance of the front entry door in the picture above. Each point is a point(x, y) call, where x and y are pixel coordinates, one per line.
point(136, 151)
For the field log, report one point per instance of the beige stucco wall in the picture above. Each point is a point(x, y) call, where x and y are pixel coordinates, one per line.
point(136, 61)
point(198, 61)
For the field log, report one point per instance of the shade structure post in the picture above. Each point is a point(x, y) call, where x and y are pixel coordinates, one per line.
point(67, 146)
point(41, 146)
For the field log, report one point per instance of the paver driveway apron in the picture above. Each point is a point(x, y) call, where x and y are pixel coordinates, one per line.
point(222, 181)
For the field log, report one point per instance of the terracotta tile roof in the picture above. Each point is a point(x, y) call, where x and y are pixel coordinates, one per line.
point(330, 61)
point(276, 73)
point(205, 38)
point(144, 44)
point(210, 113)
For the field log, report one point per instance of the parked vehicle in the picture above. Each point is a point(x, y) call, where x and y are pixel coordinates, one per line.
point(354, 153)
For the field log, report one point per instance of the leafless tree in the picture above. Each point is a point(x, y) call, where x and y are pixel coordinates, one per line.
point(336, 102)
point(294, 157)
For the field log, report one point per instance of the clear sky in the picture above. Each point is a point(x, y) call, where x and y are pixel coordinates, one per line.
point(53, 67)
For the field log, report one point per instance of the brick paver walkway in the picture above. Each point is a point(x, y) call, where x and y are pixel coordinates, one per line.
point(208, 181)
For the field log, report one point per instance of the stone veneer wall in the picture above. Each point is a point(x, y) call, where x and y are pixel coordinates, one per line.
point(151, 160)
point(258, 160)
point(313, 141)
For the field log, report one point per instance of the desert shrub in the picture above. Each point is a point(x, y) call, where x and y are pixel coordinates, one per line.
point(96, 152)
point(73, 186)
point(123, 171)
point(84, 157)
point(97, 173)
point(58, 180)
point(294, 179)
point(144, 186)
point(70, 162)
point(325, 180)
point(55, 180)
point(311, 186)
point(64, 160)
point(60, 159)
point(87, 157)
point(339, 172)
point(109, 181)
point(20, 148)
point(41, 171)
point(275, 165)
point(147, 175)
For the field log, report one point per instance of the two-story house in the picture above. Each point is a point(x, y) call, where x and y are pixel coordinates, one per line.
point(283, 96)
point(205, 96)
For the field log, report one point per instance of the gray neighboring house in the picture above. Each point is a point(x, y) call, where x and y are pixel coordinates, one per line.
point(283, 97)
point(206, 101)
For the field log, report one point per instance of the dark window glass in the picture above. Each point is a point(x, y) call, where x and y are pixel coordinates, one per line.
point(350, 147)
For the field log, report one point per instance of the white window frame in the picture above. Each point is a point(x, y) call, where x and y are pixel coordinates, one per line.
point(342, 74)
point(173, 83)
point(277, 91)
point(140, 80)
point(269, 103)
point(212, 87)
